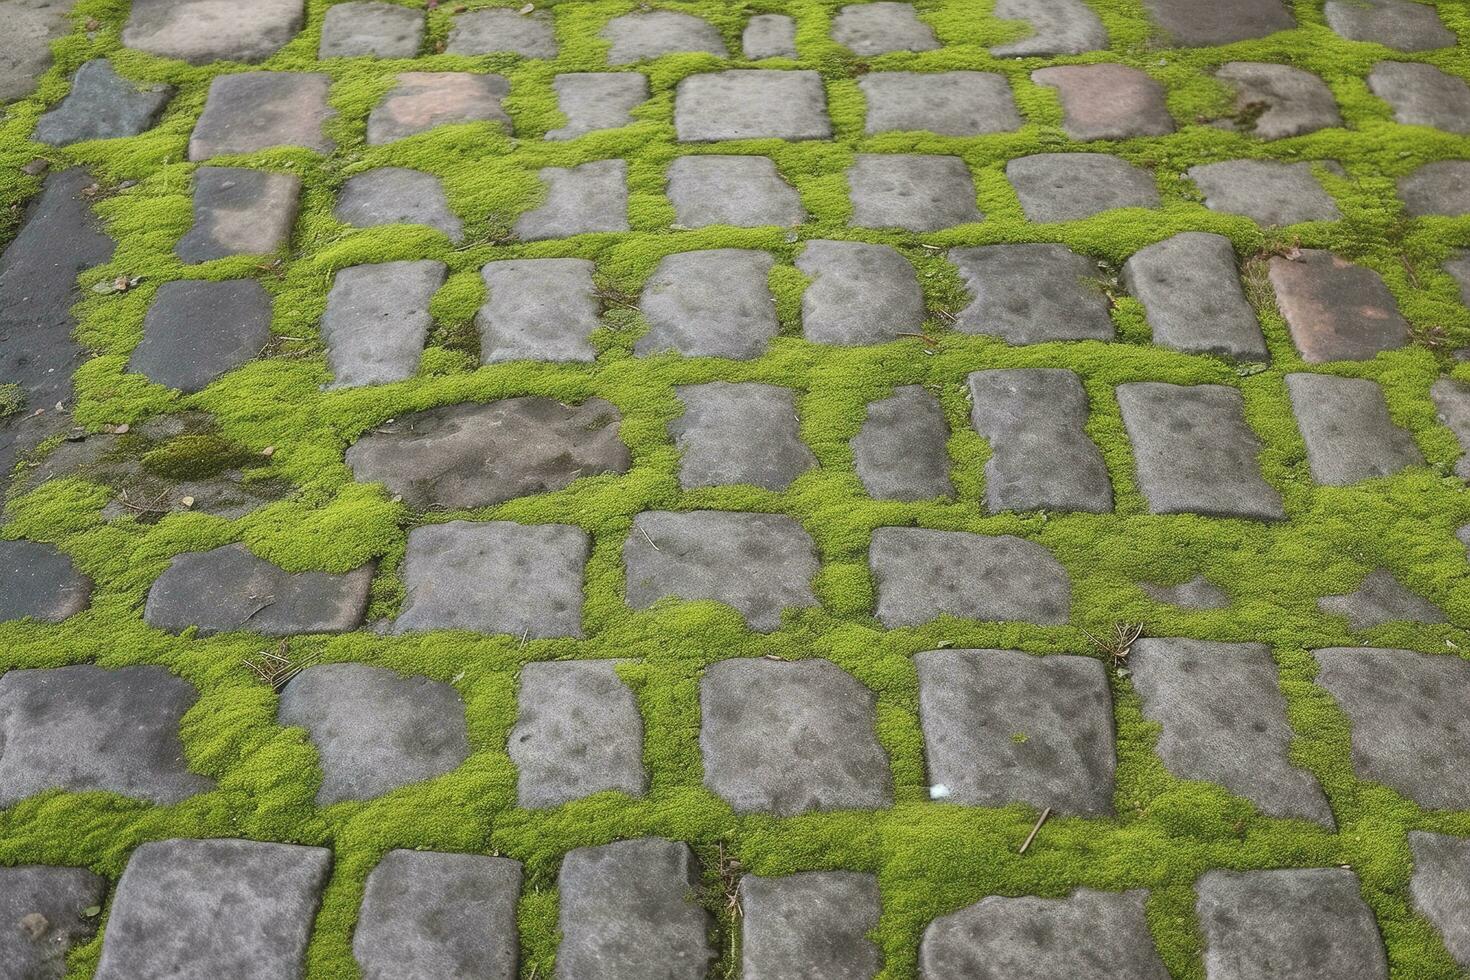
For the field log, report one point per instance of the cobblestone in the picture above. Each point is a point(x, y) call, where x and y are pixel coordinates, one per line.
point(902, 451)
point(262, 110)
point(742, 432)
point(425, 100)
point(923, 574)
point(1190, 287)
point(1439, 888)
point(368, 28)
point(1336, 310)
point(1266, 191)
point(859, 293)
point(1394, 23)
point(59, 896)
point(41, 583)
point(1072, 186)
point(713, 303)
point(527, 33)
point(1008, 300)
point(918, 192)
point(1440, 188)
point(743, 104)
point(397, 196)
point(377, 320)
point(1422, 95)
point(1379, 599)
point(813, 925)
point(199, 31)
point(594, 101)
point(1348, 432)
point(580, 200)
point(869, 29)
point(541, 309)
point(102, 105)
point(1057, 27)
point(240, 211)
point(1201, 22)
point(948, 103)
point(196, 331)
point(769, 36)
point(1107, 102)
point(732, 190)
point(1276, 101)
point(651, 33)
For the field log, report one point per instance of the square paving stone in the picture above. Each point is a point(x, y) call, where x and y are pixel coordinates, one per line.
point(397, 196)
point(902, 451)
point(1194, 452)
point(374, 730)
point(594, 101)
point(1057, 27)
point(1393, 23)
point(528, 34)
point(1276, 101)
point(918, 192)
point(1422, 95)
point(651, 33)
point(578, 733)
point(923, 574)
point(812, 925)
point(1032, 294)
point(538, 309)
point(1073, 186)
point(1266, 191)
point(743, 104)
point(1441, 888)
point(769, 36)
point(868, 29)
point(1190, 289)
point(377, 320)
point(41, 583)
point(1439, 188)
point(372, 29)
point(858, 294)
point(1380, 599)
point(789, 738)
point(1303, 923)
point(1003, 727)
point(1198, 23)
point(1410, 719)
point(240, 211)
point(1348, 432)
point(102, 105)
point(1107, 102)
point(1336, 310)
point(1224, 721)
point(83, 729)
point(214, 908)
point(739, 433)
point(747, 192)
point(262, 110)
point(580, 200)
point(43, 908)
point(426, 100)
point(758, 564)
point(1452, 404)
point(947, 103)
point(629, 911)
point(196, 331)
point(495, 577)
point(714, 303)
point(429, 914)
point(200, 31)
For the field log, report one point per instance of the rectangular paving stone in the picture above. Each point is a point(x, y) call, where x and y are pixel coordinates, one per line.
point(102, 105)
point(653, 33)
point(859, 293)
point(739, 433)
point(595, 101)
point(530, 34)
point(1056, 27)
point(869, 29)
point(812, 925)
point(1336, 310)
point(917, 192)
point(1441, 888)
point(367, 28)
point(923, 574)
point(397, 196)
point(1032, 294)
point(1380, 598)
point(1073, 186)
point(1452, 406)
point(769, 36)
point(1394, 23)
point(580, 200)
point(41, 583)
point(732, 190)
point(44, 908)
point(240, 211)
point(711, 303)
point(902, 451)
point(196, 330)
point(425, 100)
point(1190, 289)
point(1274, 101)
point(1422, 95)
point(538, 309)
point(1438, 188)
point(1205, 22)
point(744, 104)
point(1107, 102)
point(947, 103)
point(1348, 432)
point(377, 320)
point(262, 110)
point(201, 31)
point(1268, 192)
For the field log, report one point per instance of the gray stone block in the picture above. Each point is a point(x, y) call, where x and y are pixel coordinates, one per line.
point(947, 103)
point(1336, 310)
point(1441, 888)
point(1057, 27)
point(538, 309)
point(200, 31)
point(25, 47)
point(858, 294)
point(744, 104)
point(1198, 23)
point(1276, 101)
point(1439, 188)
point(917, 192)
point(594, 101)
point(1107, 102)
point(263, 110)
point(1197, 594)
point(42, 907)
point(652, 33)
point(371, 29)
point(1268, 192)
point(812, 925)
point(1073, 186)
point(1422, 95)
point(1190, 288)
point(1452, 405)
point(1380, 599)
point(739, 433)
point(1348, 432)
point(1458, 266)
point(902, 451)
point(923, 574)
point(769, 36)
point(503, 31)
point(713, 303)
point(1393, 23)
point(240, 211)
point(747, 192)
point(397, 196)
point(870, 29)
point(196, 330)
point(425, 100)
point(41, 583)
point(377, 320)
point(100, 106)
point(580, 200)
point(1032, 294)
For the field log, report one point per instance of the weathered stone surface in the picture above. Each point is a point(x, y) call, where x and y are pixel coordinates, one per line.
point(1422, 95)
point(1194, 452)
point(377, 320)
point(1441, 888)
point(1197, 594)
point(1439, 188)
point(240, 211)
point(629, 912)
point(230, 589)
point(1224, 721)
point(1040, 456)
point(758, 564)
point(541, 309)
point(1335, 310)
point(41, 583)
point(1452, 401)
point(812, 925)
point(371, 28)
point(1379, 599)
point(594, 101)
point(918, 192)
point(923, 574)
point(1266, 191)
point(1057, 27)
point(580, 200)
point(83, 729)
point(214, 908)
point(428, 914)
point(902, 451)
point(1206, 22)
point(1190, 288)
point(1307, 923)
point(1089, 935)
point(197, 330)
point(1107, 102)
point(769, 36)
point(1394, 23)
point(496, 31)
point(1072, 186)
point(1410, 719)
point(25, 47)
point(789, 738)
point(868, 29)
point(397, 196)
point(261, 110)
point(59, 896)
point(495, 577)
point(425, 100)
point(651, 33)
point(732, 190)
point(740, 432)
point(1348, 432)
point(199, 31)
point(745, 104)
point(858, 294)
point(1031, 294)
point(578, 733)
point(948, 103)
point(1276, 101)
point(713, 303)
point(101, 105)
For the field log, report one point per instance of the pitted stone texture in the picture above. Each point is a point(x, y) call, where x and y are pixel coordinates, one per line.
point(1268, 192)
point(377, 320)
point(869, 29)
point(538, 309)
point(262, 110)
point(373, 29)
point(594, 101)
point(1196, 594)
point(1458, 266)
point(1197, 23)
point(923, 574)
point(812, 925)
point(769, 36)
point(1303, 923)
point(1040, 456)
point(580, 200)
point(101, 105)
point(652, 33)
point(747, 192)
point(1290, 101)
point(1194, 452)
point(1348, 432)
point(1440, 188)
point(1107, 102)
point(1441, 888)
point(231, 589)
point(1394, 23)
point(1224, 721)
point(428, 914)
point(530, 35)
point(197, 330)
point(1031, 294)
point(917, 192)
point(1335, 310)
point(239, 211)
point(714, 303)
point(902, 451)
point(1422, 95)
point(1190, 288)
point(578, 733)
point(1057, 27)
point(1379, 599)
point(1089, 935)
point(477, 455)
point(745, 104)
point(758, 564)
point(200, 31)
point(59, 896)
point(858, 294)
point(397, 196)
point(1452, 402)
point(739, 433)
point(426, 100)
point(1072, 186)
point(214, 908)
point(83, 729)
point(629, 912)
point(1410, 719)
point(41, 583)
point(25, 48)
point(947, 103)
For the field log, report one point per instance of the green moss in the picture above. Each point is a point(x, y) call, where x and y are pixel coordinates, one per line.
point(12, 400)
point(195, 457)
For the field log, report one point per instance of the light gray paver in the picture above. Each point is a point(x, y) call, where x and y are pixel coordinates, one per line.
point(1348, 432)
point(580, 200)
point(240, 211)
point(868, 29)
point(1057, 27)
point(1379, 599)
point(812, 925)
point(1268, 192)
point(1422, 95)
point(196, 330)
point(42, 907)
point(1190, 288)
point(739, 432)
point(1276, 101)
point(261, 110)
point(1107, 102)
point(711, 303)
point(200, 31)
point(539, 309)
point(372, 29)
point(1335, 310)
point(914, 191)
point(594, 101)
point(426, 100)
point(377, 320)
point(1439, 188)
point(25, 48)
point(1452, 402)
point(397, 196)
point(859, 293)
point(1199, 593)
point(1072, 186)
point(751, 104)
point(651, 33)
point(1394, 23)
point(732, 190)
point(40, 583)
point(1207, 22)
point(102, 105)
point(769, 36)
point(505, 30)
point(947, 103)
point(902, 451)
point(922, 574)
point(1458, 266)
point(1031, 294)
point(1441, 888)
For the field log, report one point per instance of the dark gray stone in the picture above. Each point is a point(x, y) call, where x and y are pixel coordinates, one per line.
point(1190, 288)
point(1276, 101)
point(1422, 95)
point(917, 192)
point(214, 908)
point(714, 303)
point(1199, 23)
point(758, 564)
point(747, 192)
point(1441, 888)
point(538, 309)
point(1440, 188)
point(578, 733)
point(100, 106)
point(197, 330)
point(240, 211)
point(789, 738)
point(902, 451)
point(1194, 452)
point(200, 31)
point(425, 100)
point(377, 320)
point(1452, 403)
point(580, 200)
point(859, 293)
point(869, 29)
point(1197, 594)
point(1268, 192)
point(397, 196)
point(230, 589)
point(812, 925)
point(1348, 432)
point(739, 433)
point(262, 110)
point(1379, 599)
point(428, 914)
point(1032, 294)
point(1057, 27)
point(745, 104)
point(41, 583)
point(1335, 310)
point(503, 31)
point(1394, 23)
point(1073, 186)
point(58, 896)
point(372, 29)
point(1107, 102)
point(25, 47)
point(947, 103)
point(651, 33)
point(594, 101)
point(769, 36)
point(1303, 923)
point(923, 574)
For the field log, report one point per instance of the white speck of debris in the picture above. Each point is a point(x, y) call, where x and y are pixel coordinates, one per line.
point(939, 791)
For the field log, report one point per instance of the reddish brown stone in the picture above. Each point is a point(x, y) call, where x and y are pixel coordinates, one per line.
point(1337, 311)
point(424, 100)
point(1107, 102)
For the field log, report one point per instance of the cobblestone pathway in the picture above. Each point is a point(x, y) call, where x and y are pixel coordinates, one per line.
point(782, 489)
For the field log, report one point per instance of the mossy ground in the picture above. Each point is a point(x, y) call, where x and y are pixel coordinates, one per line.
point(931, 858)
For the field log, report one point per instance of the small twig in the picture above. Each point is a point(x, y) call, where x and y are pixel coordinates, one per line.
point(922, 336)
point(646, 537)
point(1408, 268)
point(1035, 830)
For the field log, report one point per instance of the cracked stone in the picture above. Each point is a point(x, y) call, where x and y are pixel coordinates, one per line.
point(200, 31)
point(739, 433)
point(1031, 294)
point(1452, 404)
point(102, 105)
point(1422, 95)
point(1380, 599)
point(1198, 594)
point(1057, 27)
point(595, 101)
point(41, 583)
point(1190, 289)
point(1072, 186)
point(262, 110)
point(538, 309)
point(747, 192)
point(651, 33)
point(813, 925)
point(1336, 310)
point(372, 29)
point(1392, 23)
point(1107, 102)
point(503, 31)
point(587, 198)
point(902, 451)
point(240, 211)
point(947, 103)
point(1348, 432)
point(25, 47)
point(859, 293)
point(1276, 101)
point(769, 36)
point(1268, 192)
point(397, 196)
point(1440, 188)
point(712, 303)
point(751, 104)
point(923, 574)
point(377, 320)
point(1441, 888)
point(1198, 23)
point(870, 29)
point(425, 100)
point(197, 330)
point(917, 192)
point(59, 896)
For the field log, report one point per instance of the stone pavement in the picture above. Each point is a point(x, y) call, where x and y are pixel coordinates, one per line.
point(778, 489)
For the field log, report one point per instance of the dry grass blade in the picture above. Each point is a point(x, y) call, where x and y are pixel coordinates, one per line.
point(277, 667)
point(1117, 643)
